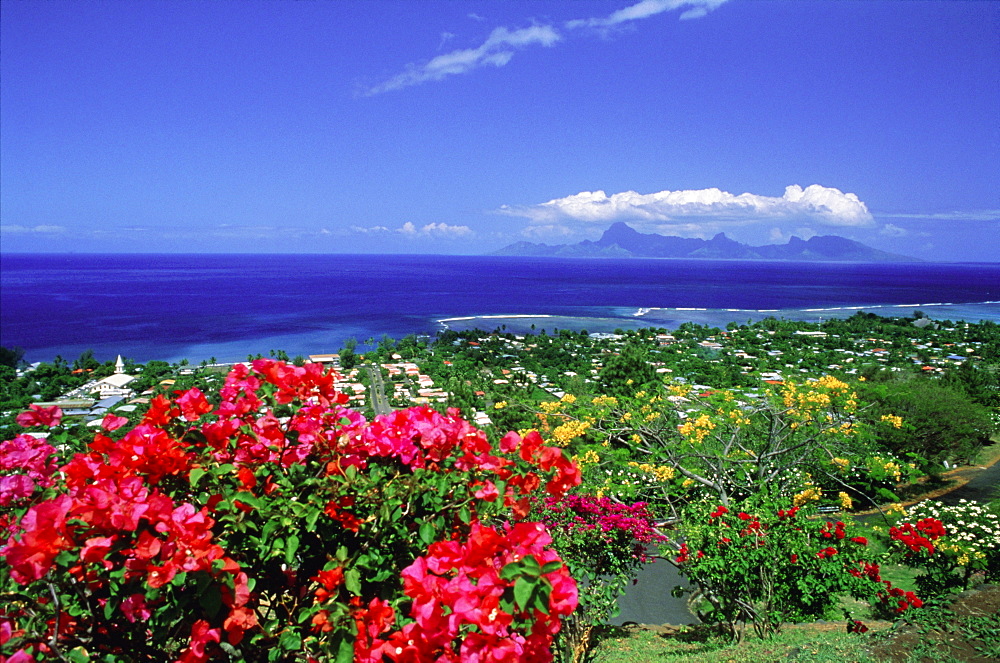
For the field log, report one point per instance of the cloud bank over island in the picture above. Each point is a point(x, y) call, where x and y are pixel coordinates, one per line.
point(499, 48)
point(694, 212)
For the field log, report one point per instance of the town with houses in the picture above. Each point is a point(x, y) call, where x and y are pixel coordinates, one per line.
point(477, 369)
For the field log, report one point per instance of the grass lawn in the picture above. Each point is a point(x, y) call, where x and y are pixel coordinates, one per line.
point(965, 630)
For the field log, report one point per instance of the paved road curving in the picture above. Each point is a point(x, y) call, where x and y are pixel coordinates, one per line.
point(984, 487)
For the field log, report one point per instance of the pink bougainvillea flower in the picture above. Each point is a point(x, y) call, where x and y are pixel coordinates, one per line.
point(193, 404)
point(202, 635)
point(112, 422)
point(134, 608)
point(40, 416)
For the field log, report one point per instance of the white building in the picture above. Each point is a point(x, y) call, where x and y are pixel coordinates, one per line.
point(115, 384)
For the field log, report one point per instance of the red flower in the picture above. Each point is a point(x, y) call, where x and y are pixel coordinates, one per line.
point(46, 534)
point(718, 512)
point(856, 626)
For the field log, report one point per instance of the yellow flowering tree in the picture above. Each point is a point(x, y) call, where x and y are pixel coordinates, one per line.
point(793, 439)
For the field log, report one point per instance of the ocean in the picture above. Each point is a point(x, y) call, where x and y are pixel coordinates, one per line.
point(195, 307)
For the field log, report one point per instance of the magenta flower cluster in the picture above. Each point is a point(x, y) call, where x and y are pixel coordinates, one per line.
point(585, 513)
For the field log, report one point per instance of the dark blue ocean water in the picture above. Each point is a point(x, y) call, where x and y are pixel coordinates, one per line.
point(228, 306)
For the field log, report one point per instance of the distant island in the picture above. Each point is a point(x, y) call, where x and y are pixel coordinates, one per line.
point(623, 241)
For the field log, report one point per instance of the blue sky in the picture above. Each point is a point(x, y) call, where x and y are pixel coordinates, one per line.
point(463, 126)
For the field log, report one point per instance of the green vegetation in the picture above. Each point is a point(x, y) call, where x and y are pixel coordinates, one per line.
point(764, 419)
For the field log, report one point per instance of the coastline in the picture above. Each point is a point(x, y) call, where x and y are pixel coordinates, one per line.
point(671, 318)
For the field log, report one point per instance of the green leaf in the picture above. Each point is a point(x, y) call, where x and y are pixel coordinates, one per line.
point(311, 519)
point(352, 580)
point(510, 571)
point(345, 650)
point(427, 533)
point(78, 655)
point(290, 641)
point(552, 567)
point(531, 566)
point(195, 474)
point(211, 601)
point(291, 546)
point(523, 589)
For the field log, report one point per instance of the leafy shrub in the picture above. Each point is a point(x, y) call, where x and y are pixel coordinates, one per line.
point(269, 522)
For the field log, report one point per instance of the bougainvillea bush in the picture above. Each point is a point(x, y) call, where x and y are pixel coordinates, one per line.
point(768, 566)
point(604, 544)
point(269, 523)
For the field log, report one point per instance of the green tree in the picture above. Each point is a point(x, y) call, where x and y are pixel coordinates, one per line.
point(627, 372)
point(940, 422)
point(11, 356)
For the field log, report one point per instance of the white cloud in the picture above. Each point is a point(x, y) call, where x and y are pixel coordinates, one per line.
point(434, 230)
point(496, 51)
point(890, 230)
point(373, 229)
point(970, 215)
point(817, 204)
point(25, 230)
point(500, 46)
point(647, 8)
point(552, 230)
point(445, 38)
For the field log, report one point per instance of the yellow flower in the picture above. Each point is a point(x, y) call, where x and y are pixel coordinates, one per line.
point(893, 420)
point(807, 495)
point(500, 405)
point(845, 501)
point(605, 400)
point(567, 432)
point(896, 508)
point(549, 406)
point(660, 472)
point(841, 463)
point(568, 398)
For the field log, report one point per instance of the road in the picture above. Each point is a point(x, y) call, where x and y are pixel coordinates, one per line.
point(376, 390)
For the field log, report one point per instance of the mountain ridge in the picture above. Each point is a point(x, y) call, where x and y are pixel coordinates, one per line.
point(622, 241)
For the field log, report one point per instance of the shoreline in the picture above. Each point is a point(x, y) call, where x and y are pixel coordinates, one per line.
point(671, 318)
point(599, 319)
